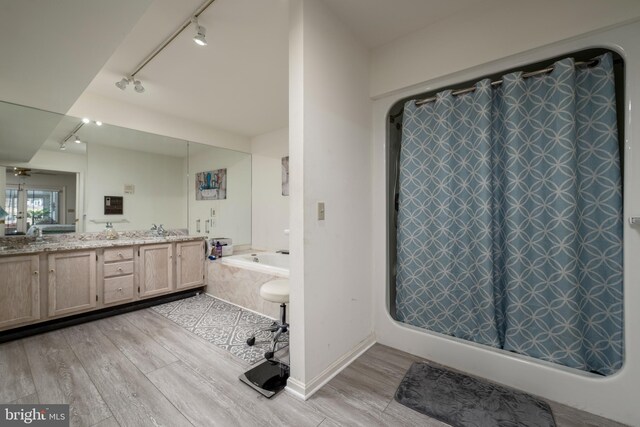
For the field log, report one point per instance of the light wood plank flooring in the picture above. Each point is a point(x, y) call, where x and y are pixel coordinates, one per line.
point(141, 369)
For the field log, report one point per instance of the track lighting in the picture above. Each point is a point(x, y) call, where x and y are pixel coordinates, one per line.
point(201, 32)
point(86, 120)
point(137, 86)
point(63, 146)
point(122, 84)
point(77, 140)
point(98, 123)
point(199, 38)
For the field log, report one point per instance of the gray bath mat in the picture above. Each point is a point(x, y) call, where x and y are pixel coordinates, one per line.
point(463, 401)
point(225, 325)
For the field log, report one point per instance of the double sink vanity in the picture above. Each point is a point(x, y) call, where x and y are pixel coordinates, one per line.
point(66, 275)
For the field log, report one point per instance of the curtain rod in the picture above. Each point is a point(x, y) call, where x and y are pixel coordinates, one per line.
point(420, 102)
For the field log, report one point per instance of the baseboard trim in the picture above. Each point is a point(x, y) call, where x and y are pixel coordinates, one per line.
point(304, 391)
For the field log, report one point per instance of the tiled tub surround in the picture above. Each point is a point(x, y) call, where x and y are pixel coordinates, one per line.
point(240, 286)
point(69, 274)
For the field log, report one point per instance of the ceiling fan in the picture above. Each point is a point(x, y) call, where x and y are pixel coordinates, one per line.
point(21, 172)
point(28, 172)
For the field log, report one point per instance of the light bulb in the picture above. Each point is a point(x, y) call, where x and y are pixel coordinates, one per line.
point(86, 120)
point(199, 38)
point(137, 86)
point(122, 84)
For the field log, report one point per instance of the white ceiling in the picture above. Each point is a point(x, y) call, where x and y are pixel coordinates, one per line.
point(113, 136)
point(51, 50)
point(376, 22)
point(239, 82)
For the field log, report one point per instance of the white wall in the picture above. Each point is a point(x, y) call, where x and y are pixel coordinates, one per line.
point(270, 209)
point(159, 188)
point(133, 117)
point(330, 160)
point(614, 397)
point(233, 214)
point(3, 178)
point(485, 34)
point(65, 181)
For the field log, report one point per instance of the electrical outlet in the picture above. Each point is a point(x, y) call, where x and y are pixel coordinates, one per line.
point(320, 211)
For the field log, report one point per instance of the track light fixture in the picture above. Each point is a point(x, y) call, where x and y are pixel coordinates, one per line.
point(122, 84)
point(137, 86)
point(199, 39)
point(74, 133)
point(201, 32)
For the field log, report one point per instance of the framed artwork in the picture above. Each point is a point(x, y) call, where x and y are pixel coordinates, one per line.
point(285, 176)
point(211, 185)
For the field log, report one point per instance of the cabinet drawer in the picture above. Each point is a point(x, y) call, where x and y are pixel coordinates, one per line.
point(118, 269)
point(118, 254)
point(118, 289)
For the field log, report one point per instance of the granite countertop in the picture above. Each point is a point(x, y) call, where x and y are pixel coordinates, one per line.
point(66, 242)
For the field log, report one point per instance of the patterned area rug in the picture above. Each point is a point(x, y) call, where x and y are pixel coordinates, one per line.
point(463, 401)
point(225, 325)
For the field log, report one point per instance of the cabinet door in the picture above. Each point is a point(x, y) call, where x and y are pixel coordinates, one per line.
point(72, 282)
point(19, 290)
point(190, 264)
point(156, 269)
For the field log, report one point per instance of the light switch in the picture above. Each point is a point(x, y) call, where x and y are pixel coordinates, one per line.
point(320, 211)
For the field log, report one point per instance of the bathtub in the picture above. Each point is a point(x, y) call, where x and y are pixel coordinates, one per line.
point(238, 278)
point(263, 262)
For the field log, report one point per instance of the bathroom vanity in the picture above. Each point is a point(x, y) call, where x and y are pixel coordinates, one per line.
point(43, 281)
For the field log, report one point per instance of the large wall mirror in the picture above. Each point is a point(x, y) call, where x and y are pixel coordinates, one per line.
point(66, 175)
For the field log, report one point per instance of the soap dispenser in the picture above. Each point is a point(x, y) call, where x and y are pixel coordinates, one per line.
point(110, 232)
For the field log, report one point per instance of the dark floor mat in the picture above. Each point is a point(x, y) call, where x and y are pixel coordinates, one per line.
point(463, 401)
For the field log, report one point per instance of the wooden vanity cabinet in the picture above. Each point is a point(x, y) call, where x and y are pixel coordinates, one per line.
point(189, 264)
point(83, 280)
point(19, 290)
point(155, 264)
point(118, 275)
point(72, 282)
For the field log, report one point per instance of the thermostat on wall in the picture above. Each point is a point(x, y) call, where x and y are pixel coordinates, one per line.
point(129, 189)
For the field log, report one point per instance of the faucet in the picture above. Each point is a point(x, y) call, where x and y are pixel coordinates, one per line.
point(160, 231)
point(154, 227)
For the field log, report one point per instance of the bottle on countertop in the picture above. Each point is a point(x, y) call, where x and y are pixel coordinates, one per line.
point(218, 249)
point(110, 232)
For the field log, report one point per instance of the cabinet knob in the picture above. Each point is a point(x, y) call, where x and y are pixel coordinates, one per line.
point(120, 254)
point(52, 271)
point(119, 289)
point(119, 268)
point(35, 273)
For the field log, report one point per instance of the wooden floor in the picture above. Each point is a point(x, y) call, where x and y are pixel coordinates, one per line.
point(141, 369)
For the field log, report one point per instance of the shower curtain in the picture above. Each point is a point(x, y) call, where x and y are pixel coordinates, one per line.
point(510, 216)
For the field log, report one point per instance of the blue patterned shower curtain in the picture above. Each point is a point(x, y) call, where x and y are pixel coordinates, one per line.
point(510, 216)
